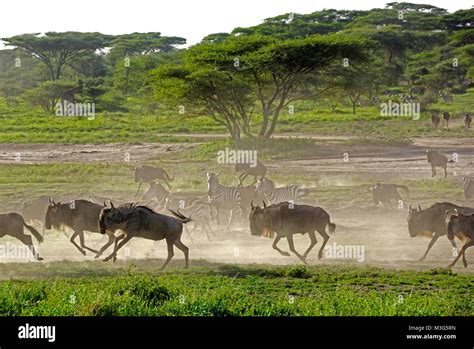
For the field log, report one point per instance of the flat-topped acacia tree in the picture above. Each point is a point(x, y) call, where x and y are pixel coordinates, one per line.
point(56, 50)
point(233, 78)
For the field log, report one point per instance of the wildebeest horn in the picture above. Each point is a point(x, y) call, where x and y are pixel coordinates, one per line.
point(251, 204)
point(419, 207)
point(264, 204)
point(51, 201)
point(111, 204)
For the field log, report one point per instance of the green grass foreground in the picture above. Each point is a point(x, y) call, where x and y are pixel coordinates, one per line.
point(97, 289)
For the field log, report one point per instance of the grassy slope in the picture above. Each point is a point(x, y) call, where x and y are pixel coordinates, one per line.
point(235, 290)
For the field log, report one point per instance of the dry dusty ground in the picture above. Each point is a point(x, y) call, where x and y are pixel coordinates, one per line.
point(381, 233)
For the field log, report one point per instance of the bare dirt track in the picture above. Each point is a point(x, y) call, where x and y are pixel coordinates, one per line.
point(381, 233)
point(112, 152)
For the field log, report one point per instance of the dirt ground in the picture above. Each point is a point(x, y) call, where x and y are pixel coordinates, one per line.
point(380, 236)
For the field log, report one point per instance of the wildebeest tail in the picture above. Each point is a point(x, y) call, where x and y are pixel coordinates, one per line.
point(168, 176)
point(404, 187)
point(332, 228)
point(181, 217)
point(34, 232)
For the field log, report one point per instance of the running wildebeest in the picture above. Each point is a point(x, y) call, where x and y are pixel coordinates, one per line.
point(147, 174)
point(431, 222)
point(246, 168)
point(468, 187)
point(286, 219)
point(437, 160)
point(141, 221)
point(467, 121)
point(446, 118)
point(462, 227)
point(80, 216)
point(385, 193)
point(435, 120)
point(12, 224)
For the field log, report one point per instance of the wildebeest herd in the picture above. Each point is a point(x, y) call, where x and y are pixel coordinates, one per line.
point(269, 211)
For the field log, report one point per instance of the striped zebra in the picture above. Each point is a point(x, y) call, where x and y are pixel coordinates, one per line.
point(291, 193)
point(199, 212)
point(223, 197)
point(156, 193)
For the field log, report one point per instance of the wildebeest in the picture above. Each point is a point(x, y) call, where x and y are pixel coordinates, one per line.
point(446, 118)
point(437, 160)
point(12, 224)
point(148, 174)
point(34, 210)
point(462, 227)
point(467, 121)
point(431, 222)
point(385, 193)
point(285, 220)
point(290, 193)
point(246, 168)
point(80, 216)
point(141, 221)
point(468, 187)
point(435, 120)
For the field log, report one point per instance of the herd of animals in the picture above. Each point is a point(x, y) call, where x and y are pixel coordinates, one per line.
point(436, 120)
point(270, 211)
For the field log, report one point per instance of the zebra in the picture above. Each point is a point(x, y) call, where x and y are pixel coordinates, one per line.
point(291, 193)
point(223, 197)
point(156, 192)
point(199, 212)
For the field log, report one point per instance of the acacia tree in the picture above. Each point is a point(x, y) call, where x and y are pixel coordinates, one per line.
point(232, 78)
point(57, 50)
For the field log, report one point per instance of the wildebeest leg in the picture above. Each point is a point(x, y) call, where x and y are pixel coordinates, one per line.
point(433, 240)
point(26, 239)
point(314, 241)
point(325, 236)
point(433, 170)
point(289, 238)
point(83, 245)
point(453, 243)
point(283, 253)
point(107, 244)
point(73, 236)
point(463, 250)
point(170, 253)
point(445, 171)
point(185, 250)
point(125, 238)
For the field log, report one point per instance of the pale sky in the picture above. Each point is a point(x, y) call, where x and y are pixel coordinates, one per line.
point(186, 18)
